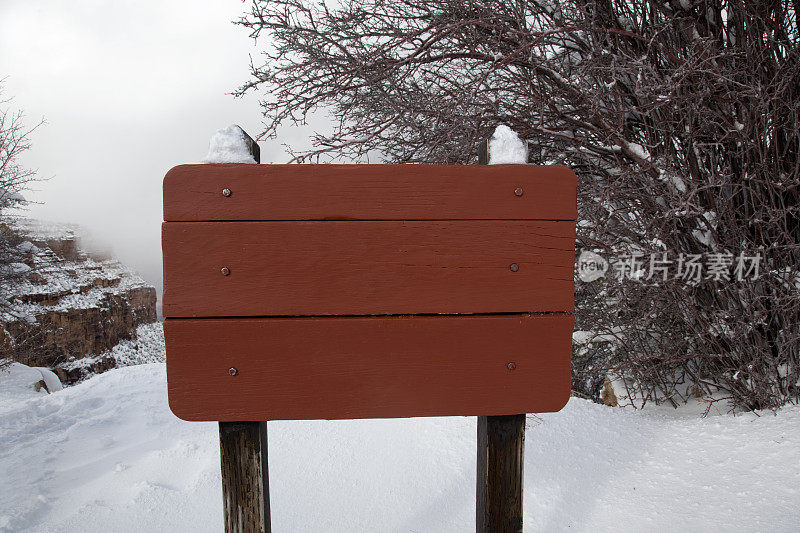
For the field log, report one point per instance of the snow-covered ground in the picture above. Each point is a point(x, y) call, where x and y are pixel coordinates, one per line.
point(107, 455)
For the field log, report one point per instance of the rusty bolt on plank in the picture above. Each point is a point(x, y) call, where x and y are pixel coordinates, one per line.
point(512, 365)
point(513, 267)
point(225, 271)
point(518, 191)
point(232, 371)
point(226, 192)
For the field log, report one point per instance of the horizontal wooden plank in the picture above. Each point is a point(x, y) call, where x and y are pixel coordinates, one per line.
point(367, 367)
point(367, 267)
point(369, 192)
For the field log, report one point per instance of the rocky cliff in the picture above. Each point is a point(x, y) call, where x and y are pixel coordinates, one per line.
point(70, 308)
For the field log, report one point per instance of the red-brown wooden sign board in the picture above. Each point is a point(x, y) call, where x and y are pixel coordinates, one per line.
point(367, 291)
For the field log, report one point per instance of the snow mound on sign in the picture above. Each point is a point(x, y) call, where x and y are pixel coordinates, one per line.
point(229, 145)
point(505, 147)
point(107, 455)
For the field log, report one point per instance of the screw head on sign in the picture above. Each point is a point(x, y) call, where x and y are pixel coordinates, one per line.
point(226, 192)
point(225, 271)
point(232, 371)
point(512, 365)
point(518, 191)
point(513, 267)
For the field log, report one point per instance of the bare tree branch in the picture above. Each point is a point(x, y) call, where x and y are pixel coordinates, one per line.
point(681, 119)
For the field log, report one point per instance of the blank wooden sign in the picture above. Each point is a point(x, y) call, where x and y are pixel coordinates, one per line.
point(367, 291)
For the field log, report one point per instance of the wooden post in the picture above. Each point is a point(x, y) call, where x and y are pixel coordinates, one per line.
point(245, 476)
point(243, 455)
point(501, 454)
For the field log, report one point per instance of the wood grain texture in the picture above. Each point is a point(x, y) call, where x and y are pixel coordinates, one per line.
point(245, 476)
point(367, 367)
point(367, 268)
point(501, 456)
point(369, 192)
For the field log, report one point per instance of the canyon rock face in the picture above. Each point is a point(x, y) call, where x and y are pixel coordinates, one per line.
point(69, 308)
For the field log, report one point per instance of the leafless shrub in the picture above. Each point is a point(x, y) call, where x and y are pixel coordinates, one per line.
point(15, 263)
point(681, 119)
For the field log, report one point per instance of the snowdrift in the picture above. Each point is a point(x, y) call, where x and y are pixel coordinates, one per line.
point(108, 455)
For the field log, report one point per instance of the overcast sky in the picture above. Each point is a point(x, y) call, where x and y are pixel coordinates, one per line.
point(129, 89)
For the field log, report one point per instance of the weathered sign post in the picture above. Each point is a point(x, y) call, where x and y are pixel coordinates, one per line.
point(501, 455)
point(366, 291)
